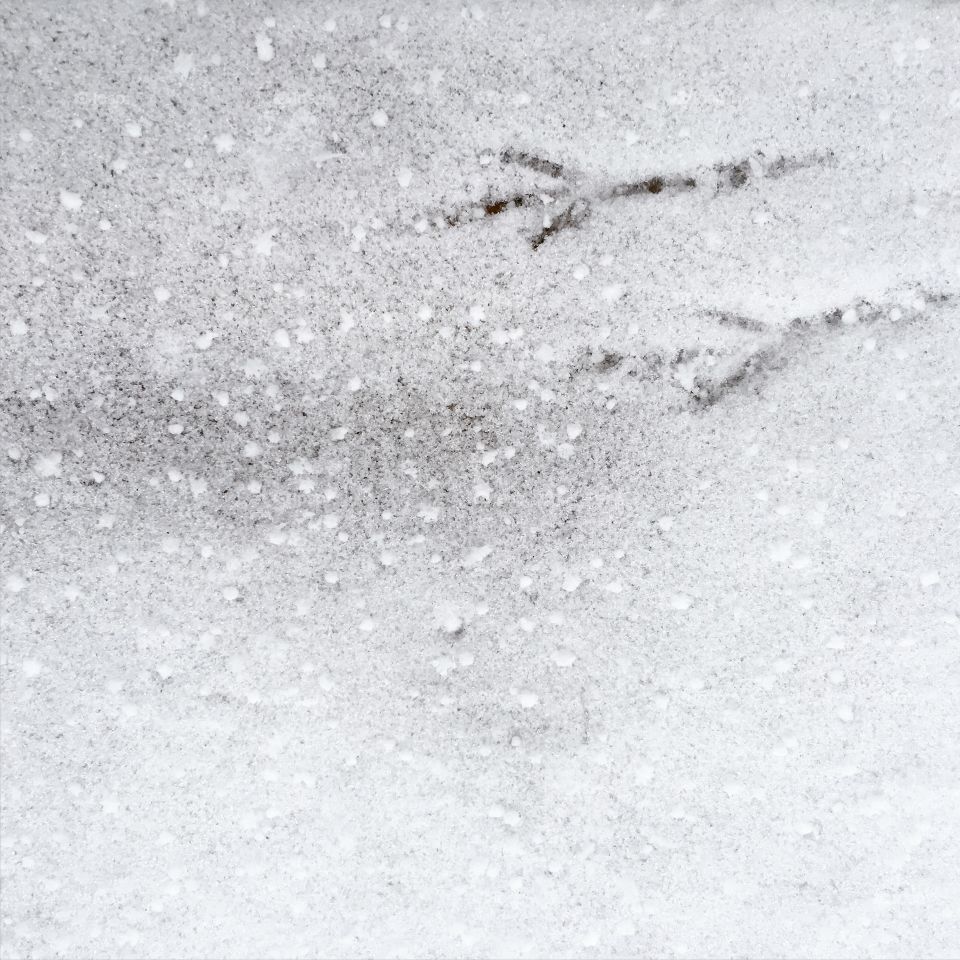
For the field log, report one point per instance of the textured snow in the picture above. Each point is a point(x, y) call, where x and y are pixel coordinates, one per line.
point(479, 480)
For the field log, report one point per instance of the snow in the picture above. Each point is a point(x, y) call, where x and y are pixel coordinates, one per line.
point(265, 49)
point(479, 480)
point(70, 200)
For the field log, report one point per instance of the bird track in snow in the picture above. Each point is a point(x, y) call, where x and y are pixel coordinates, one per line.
point(725, 177)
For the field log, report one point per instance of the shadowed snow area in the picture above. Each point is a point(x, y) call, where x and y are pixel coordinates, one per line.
point(479, 481)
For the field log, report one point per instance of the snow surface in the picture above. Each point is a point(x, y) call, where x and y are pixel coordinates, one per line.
point(479, 481)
